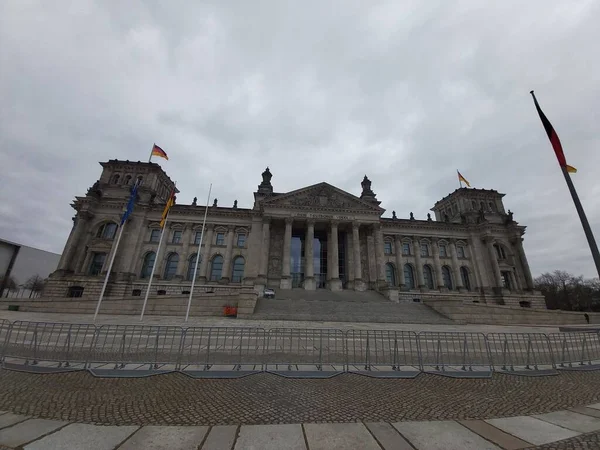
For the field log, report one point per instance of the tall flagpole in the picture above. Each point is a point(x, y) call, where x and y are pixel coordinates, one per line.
point(459, 180)
point(584, 221)
point(110, 264)
point(149, 159)
point(156, 259)
point(187, 313)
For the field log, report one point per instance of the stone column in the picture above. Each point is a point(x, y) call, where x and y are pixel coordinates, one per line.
point(439, 279)
point(87, 260)
point(335, 284)
point(228, 251)
point(66, 260)
point(380, 256)
point(264, 255)
point(418, 263)
point(359, 284)
point(514, 281)
point(477, 256)
point(371, 260)
point(524, 263)
point(456, 266)
point(489, 243)
point(309, 271)
point(399, 261)
point(286, 281)
point(204, 262)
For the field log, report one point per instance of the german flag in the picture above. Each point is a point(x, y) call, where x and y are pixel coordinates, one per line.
point(554, 140)
point(165, 213)
point(157, 151)
point(463, 179)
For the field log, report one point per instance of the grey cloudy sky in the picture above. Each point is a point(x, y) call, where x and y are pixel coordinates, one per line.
point(406, 92)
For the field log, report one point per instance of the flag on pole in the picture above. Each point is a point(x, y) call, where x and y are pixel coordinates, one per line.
point(554, 140)
point(170, 203)
point(130, 204)
point(157, 151)
point(463, 179)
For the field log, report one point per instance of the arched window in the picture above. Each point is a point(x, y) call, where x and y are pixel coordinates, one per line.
point(216, 268)
point(148, 264)
point(127, 179)
point(115, 178)
point(500, 251)
point(192, 266)
point(464, 274)
point(238, 270)
point(409, 278)
point(171, 266)
point(107, 231)
point(482, 206)
point(474, 205)
point(428, 276)
point(390, 274)
point(492, 207)
point(447, 276)
point(140, 180)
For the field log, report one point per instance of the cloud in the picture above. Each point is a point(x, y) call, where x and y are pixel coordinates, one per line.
point(406, 92)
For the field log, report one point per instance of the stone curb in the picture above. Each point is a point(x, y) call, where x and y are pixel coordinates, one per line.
point(509, 433)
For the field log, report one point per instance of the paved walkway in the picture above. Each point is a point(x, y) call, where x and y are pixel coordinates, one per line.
point(573, 429)
point(213, 321)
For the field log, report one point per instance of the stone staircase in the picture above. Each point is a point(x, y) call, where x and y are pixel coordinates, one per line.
point(343, 306)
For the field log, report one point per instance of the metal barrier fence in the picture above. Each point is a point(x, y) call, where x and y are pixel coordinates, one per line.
point(576, 351)
point(302, 352)
point(135, 350)
point(48, 347)
point(383, 353)
point(522, 353)
point(4, 331)
point(458, 355)
point(216, 352)
point(230, 352)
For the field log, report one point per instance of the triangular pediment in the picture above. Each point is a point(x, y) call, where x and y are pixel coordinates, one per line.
point(320, 197)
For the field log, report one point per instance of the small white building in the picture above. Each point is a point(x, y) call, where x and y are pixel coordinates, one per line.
point(20, 263)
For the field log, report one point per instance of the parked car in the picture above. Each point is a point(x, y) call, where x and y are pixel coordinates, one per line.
point(269, 293)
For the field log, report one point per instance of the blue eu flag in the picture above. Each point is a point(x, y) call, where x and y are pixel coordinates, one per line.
point(129, 209)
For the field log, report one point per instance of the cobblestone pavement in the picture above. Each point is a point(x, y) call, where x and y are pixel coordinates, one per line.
point(176, 399)
point(589, 441)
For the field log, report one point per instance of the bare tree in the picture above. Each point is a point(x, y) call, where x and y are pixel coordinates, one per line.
point(35, 284)
point(566, 291)
point(9, 284)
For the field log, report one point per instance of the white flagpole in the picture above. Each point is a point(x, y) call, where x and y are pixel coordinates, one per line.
point(110, 264)
point(151, 150)
point(156, 259)
point(187, 313)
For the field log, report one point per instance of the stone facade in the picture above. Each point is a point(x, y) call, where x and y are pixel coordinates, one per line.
point(472, 247)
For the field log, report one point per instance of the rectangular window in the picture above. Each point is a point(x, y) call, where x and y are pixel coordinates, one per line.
point(443, 251)
point(155, 236)
point(460, 251)
point(176, 237)
point(197, 237)
point(97, 263)
point(220, 239)
point(387, 248)
point(241, 240)
point(424, 250)
point(406, 248)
